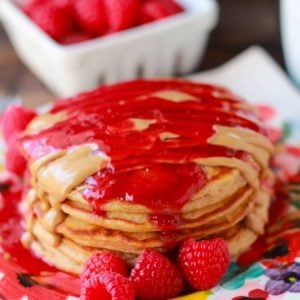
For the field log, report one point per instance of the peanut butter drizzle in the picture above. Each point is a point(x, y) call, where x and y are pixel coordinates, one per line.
point(52, 218)
point(165, 136)
point(234, 142)
point(57, 174)
point(44, 235)
point(244, 140)
point(26, 239)
point(245, 169)
point(43, 161)
point(258, 217)
point(249, 136)
point(141, 124)
point(245, 106)
point(224, 94)
point(175, 96)
point(44, 121)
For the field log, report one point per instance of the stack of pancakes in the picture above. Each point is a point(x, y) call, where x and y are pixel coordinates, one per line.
point(65, 227)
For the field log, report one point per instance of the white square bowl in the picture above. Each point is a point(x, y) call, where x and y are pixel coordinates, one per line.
point(171, 46)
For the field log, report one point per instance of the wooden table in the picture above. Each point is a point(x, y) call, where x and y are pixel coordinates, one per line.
point(242, 24)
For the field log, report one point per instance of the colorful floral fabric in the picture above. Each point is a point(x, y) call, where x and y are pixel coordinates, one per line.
point(254, 295)
point(285, 279)
point(254, 271)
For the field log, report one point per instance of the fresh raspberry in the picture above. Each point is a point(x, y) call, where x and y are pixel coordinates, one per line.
point(30, 6)
point(104, 261)
point(55, 20)
point(91, 16)
point(158, 9)
point(107, 286)
point(122, 14)
point(14, 121)
point(75, 38)
point(14, 161)
point(204, 263)
point(156, 277)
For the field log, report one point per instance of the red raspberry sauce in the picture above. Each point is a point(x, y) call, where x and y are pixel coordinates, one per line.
point(160, 175)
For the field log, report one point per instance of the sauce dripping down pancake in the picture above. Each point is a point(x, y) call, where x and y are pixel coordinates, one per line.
point(154, 134)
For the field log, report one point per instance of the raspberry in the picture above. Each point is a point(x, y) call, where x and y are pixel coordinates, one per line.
point(204, 263)
point(15, 162)
point(91, 16)
point(155, 277)
point(107, 286)
point(55, 20)
point(30, 6)
point(75, 38)
point(158, 9)
point(122, 14)
point(104, 261)
point(14, 121)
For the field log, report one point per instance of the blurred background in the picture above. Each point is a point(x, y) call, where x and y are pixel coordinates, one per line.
point(242, 24)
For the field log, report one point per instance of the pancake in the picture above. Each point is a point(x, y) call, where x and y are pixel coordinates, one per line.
point(144, 165)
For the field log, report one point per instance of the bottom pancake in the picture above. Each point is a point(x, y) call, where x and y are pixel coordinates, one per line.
point(66, 239)
point(70, 248)
point(70, 257)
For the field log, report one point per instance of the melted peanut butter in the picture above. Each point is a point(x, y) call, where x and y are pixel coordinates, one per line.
point(43, 122)
point(59, 173)
point(248, 136)
point(142, 124)
point(174, 96)
point(165, 136)
point(232, 141)
point(52, 218)
point(245, 169)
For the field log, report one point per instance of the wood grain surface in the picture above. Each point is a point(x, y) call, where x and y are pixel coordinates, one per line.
point(242, 24)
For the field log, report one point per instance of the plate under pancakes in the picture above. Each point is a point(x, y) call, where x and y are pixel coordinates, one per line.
point(233, 203)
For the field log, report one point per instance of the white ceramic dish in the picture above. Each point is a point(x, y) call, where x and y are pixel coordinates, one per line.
point(290, 35)
point(170, 46)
